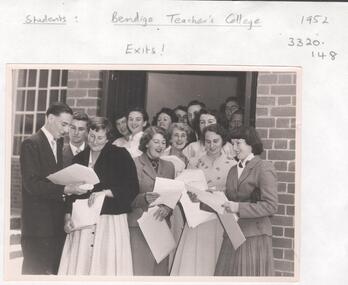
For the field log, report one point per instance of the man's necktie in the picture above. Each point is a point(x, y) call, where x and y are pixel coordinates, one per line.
point(54, 148)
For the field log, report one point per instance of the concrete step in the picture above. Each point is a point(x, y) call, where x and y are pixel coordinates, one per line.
point(15, 267)
point(15, 251)
point(15, 222)
point(15, 237)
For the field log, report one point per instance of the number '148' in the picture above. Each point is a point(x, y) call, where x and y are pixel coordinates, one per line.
point(320, 54)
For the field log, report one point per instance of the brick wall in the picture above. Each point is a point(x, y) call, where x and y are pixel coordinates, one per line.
point(83, 94)
point(85, 91)
point(16, 181)
point(276, 123)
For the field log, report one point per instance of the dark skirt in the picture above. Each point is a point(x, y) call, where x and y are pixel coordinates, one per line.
point(253, 258)
point(144, 263)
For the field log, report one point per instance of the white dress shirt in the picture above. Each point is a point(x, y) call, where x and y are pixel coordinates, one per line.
point(51, 140)
point(75, 150)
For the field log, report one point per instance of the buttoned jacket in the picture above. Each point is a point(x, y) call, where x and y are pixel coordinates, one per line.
point(256, 193)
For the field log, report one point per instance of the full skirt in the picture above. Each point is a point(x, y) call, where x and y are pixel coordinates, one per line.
point(102, 249)
point(253, 258)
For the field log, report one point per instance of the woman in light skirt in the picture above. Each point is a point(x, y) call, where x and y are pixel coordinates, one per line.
point(103, 248)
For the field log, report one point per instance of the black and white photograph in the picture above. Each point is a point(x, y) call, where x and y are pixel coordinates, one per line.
point(153, 170)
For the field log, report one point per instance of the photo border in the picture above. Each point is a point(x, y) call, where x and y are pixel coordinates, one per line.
point(150, 67)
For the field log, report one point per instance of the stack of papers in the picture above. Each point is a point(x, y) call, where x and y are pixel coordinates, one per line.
point(157, 235)
point(75, 173)
point(213, 199)
point(170, 191)
point(194, 178)
point(84, 215)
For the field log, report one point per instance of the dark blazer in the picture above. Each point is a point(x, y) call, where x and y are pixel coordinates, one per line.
point(256, 192)
point(147, 177)
point(43, 205)
point(67, 155)
point(116, 171)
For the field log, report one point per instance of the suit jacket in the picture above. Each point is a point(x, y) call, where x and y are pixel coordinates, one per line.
point(43, 205)
point(257, 182)
point(67, 155)
point(116, 171)
point(147, 177)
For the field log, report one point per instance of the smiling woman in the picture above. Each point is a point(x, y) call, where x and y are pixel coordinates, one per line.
point(102, 248)
point(149, 166)
point(254, 200)
point(137, 121)
point(199, 247)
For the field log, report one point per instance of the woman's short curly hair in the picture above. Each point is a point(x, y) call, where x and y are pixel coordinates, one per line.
point(149, 134)
point(251, 137)
point(167, 111)
point(218, 129)
point(197, 119)
point(142, 112)
point(180, 126)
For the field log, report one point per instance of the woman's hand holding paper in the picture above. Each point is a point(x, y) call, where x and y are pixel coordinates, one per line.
point(231, 207)
point(193, 197)
point(108, 193)
point(162, 212)
point(151, 197)
point(76, 188)
point(68, 225)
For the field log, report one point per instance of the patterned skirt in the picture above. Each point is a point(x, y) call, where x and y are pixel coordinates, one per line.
point(253, 258)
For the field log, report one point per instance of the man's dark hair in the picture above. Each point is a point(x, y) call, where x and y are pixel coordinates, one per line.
point(80, 116)
point(196, 102)
point(57, 108)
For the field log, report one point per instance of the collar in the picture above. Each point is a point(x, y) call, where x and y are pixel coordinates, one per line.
point(48, 135)
point(249, 157)
point(74, 148)
point(137, 136)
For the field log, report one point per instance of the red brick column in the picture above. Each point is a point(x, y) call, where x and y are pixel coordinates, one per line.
point(85, 91)
point(276, 123)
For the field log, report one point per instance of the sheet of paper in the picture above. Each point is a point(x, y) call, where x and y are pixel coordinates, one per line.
point(194, 215)
point(157, 235)
point(213, 199)
point(84, 215)
point(74, 174)
point(232, 229)
point(170, 191)
point(194, 178)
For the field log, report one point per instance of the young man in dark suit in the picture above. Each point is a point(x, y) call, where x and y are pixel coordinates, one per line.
point(77, 137)
point(43, 206)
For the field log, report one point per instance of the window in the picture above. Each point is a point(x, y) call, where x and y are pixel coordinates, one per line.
point(34, 91)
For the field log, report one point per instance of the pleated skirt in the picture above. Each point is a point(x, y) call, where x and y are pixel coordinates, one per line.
point(253, 258)
point(102, 249)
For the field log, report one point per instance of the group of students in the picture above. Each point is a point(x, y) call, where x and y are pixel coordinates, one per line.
point(127, 167)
